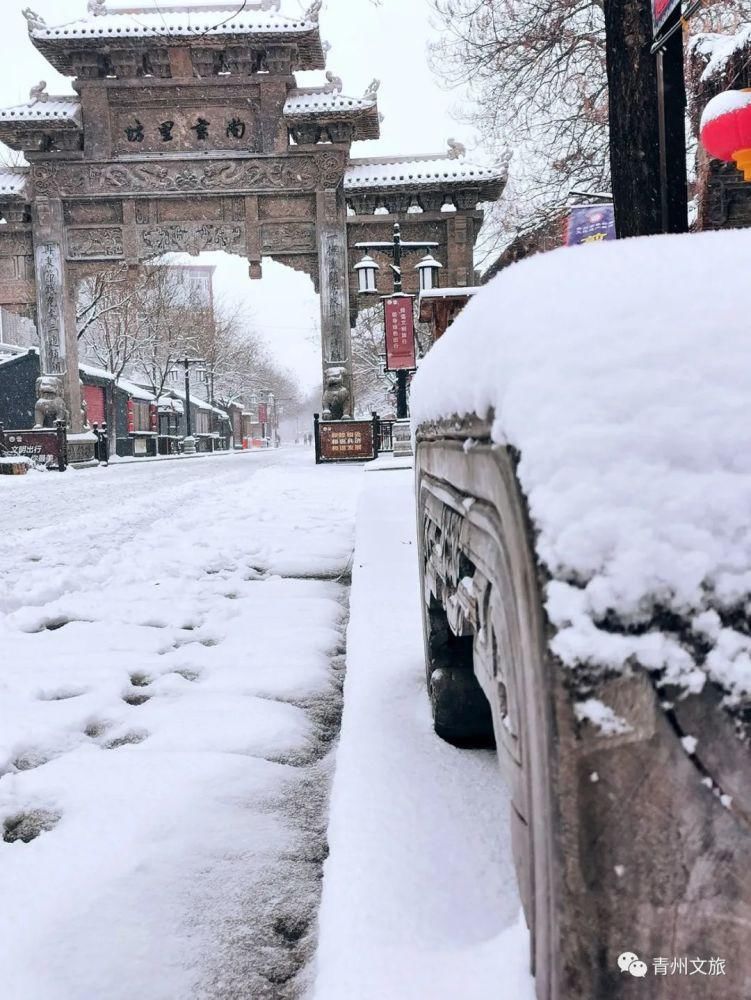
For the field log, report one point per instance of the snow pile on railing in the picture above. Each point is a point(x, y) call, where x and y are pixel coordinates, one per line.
point(622, 374)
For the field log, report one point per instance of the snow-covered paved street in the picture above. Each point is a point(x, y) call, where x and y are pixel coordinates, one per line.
point(173, 641)
point(172, 644)
point(419, 898)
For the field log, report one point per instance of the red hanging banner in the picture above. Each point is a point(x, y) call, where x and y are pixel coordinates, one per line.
point(263, 413)
point(399, 319)
point(661, 11)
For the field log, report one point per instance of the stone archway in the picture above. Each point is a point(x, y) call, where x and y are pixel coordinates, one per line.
point(188, 133)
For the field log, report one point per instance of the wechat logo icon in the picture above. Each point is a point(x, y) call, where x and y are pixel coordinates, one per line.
point(632, 964)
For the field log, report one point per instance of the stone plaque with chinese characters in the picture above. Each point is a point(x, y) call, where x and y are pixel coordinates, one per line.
point(187, 129)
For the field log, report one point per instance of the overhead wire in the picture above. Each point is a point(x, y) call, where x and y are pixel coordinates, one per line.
point(167, 33)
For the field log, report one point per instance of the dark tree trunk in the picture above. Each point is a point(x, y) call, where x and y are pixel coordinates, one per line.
point(641, 208)
point(676, 208)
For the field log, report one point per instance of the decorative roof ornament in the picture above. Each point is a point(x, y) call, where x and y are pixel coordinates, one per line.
point(334, 84)
point(373, 89)
point(457, 150)
point(275, 5)
point(34, 21)
point(314, 11)
point(97, 8)
point(39, 93)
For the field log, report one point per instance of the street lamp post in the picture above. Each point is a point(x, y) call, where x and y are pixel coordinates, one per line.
point(189, 444)
point(367, 272)
point(188, 420)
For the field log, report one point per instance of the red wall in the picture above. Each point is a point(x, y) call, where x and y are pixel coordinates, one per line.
point(94, 397)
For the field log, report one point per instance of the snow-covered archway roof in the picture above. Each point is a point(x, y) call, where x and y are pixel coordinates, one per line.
point(176, 24)
point(25, 126)
point(13, 183)
point(400, 173)
point(322, 107)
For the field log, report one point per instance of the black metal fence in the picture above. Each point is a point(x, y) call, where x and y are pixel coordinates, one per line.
point(385, 435)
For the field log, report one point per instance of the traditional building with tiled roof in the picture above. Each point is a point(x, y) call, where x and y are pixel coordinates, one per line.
point(189, 131)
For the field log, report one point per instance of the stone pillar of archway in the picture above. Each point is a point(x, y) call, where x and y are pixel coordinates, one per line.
point(56, 310)
point(331, 212)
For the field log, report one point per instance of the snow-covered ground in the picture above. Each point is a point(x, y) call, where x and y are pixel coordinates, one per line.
point(168, 693)
point(420, 899)
point(172, 640)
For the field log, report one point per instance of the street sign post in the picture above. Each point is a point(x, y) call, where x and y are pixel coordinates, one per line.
point(345, 440)
point(47, 446)
point(661, 11)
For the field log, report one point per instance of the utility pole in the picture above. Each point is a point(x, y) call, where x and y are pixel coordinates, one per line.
point(188, 415)
point(647, 98)
point(189, 445)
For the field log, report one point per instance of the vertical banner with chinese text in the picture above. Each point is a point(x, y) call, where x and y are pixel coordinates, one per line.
point(400, 333)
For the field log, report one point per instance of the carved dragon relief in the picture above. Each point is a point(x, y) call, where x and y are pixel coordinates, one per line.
point(16, 244)
point(290, 237)
point(294, 173)
point(95, 243)
point(192, 238)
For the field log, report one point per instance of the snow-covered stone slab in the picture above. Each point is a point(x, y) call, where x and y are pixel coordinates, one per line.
point(620, 374)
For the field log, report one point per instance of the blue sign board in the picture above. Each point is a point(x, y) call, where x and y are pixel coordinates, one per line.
point(590, 224)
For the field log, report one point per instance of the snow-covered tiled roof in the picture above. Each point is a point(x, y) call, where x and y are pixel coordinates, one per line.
point(13, 183)
point(172, 25)
point(10, 352)
point(187, 22)
point(449, 293)
point(399, 172)
point(136, 391)
point(94, 372)
point(314, 103)
point(202, 404)
point(65, 110)
point(720, 49)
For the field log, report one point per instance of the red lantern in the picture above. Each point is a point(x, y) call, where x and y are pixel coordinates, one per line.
point(726, 129)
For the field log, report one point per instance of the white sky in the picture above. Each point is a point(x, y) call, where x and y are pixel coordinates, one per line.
point(388, 42)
